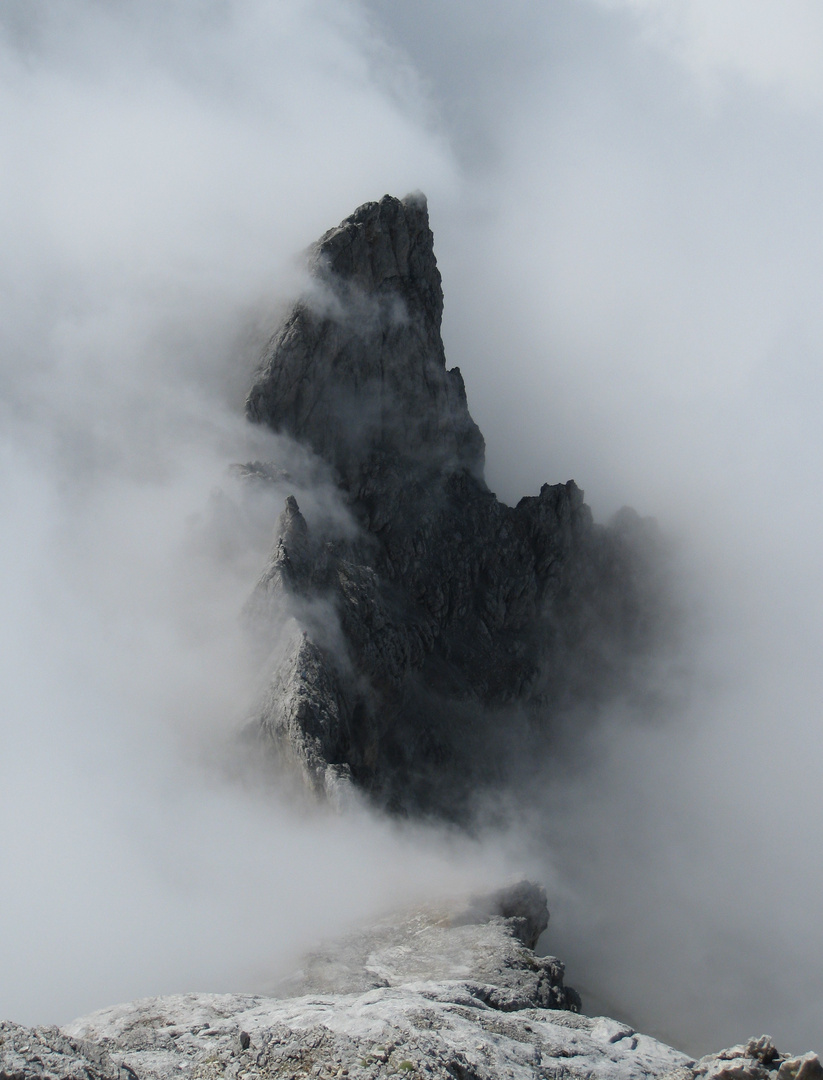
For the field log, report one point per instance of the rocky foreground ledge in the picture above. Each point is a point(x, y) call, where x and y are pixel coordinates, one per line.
point(454, 992)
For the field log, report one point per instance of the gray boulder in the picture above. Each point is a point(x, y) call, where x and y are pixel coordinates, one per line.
point(758, 1059)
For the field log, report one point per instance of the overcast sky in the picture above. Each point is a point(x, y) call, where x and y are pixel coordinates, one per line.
point(625, 198)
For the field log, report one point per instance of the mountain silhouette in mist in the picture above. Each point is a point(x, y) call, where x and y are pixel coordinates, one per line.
point(426, 649)
point(460, 636)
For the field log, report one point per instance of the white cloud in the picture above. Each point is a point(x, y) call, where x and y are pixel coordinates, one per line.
point(774, 44)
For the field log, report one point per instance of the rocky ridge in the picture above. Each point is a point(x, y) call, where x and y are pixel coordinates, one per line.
point(452, 992)
point(460, 635)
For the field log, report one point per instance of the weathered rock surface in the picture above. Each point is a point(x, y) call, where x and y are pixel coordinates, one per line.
point(438, 1030)
point(758, 1059)
point(488, 945)
point(459, 634)
point(357, 371)
point(448, 993)
point(49, 1052)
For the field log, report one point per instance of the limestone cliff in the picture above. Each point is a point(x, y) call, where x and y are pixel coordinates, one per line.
point(467, 633)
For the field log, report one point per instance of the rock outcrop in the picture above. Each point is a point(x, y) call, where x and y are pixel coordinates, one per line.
point(459, 635)
point(446, 993)
point(758, 1059)
point(48, 1052)
point(487, 945)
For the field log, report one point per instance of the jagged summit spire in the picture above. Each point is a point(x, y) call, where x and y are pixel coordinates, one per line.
point(462, 633)
point(386, 244)
point(357, 370)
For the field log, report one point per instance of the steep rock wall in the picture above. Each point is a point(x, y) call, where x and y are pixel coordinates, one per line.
point(467, 632)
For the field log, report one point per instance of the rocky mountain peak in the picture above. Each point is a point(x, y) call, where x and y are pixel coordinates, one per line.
point(458, 633)
point(425, 654)
point(357, 371)
point(385, 244)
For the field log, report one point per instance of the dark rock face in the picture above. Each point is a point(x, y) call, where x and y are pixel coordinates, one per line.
point(357, 371)
point(523, 905)
point(460, 633)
